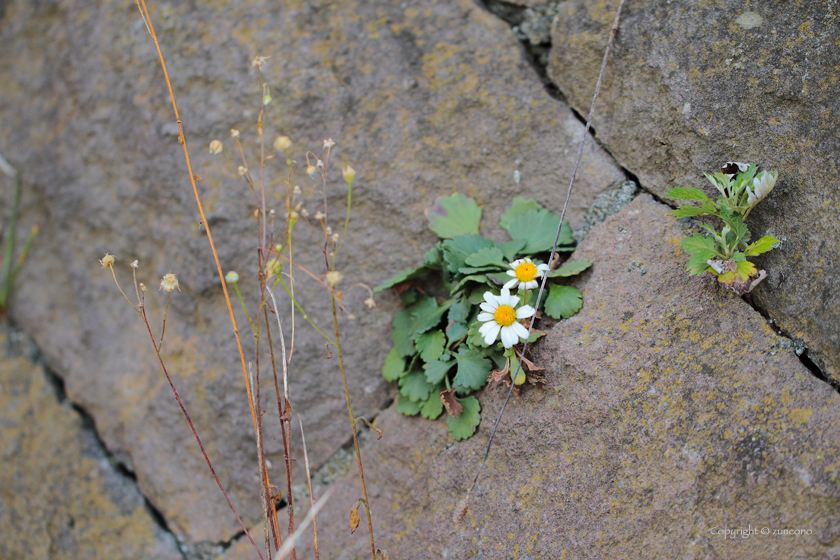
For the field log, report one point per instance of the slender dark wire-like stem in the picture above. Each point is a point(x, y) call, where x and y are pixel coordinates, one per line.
point(613, 31)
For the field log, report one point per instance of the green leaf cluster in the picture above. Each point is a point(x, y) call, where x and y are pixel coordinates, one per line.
point(724, 250)
point(437, 346)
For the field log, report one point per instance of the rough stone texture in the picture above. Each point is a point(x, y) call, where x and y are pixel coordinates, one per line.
point(671, 409)
point(424, 98)
point(691, 85)
point(60, 497)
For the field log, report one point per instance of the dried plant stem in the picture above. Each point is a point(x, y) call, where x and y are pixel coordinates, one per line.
point(142, 311)
point(353, 426)
point(613, 31)
point(141, 4)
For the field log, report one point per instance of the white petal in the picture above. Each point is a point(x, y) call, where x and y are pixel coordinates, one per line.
point(529, 285)
point(484, 317)
point(511, 283)
point(516, 263)
point(509, 337)
point(520, 331)
point(542, 268)
point(511, 273)
point(492, 331)
point(524, 312)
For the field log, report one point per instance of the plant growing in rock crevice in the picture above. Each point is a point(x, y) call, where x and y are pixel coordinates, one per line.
point(446, 347)
point(723, 254)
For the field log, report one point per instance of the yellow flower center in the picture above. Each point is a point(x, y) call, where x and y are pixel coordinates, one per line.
point(505, 315)
point(526, 272)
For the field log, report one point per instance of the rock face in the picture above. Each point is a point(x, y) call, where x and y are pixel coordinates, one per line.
point(423, 99)
point(61, 497)
point(692, 85)
point(671, 413)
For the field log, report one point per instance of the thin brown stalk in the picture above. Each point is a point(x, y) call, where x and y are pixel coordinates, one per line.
point(142, 312)
point(353, 425)
point(182, 140)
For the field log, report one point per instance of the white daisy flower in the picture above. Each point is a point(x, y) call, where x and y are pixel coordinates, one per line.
point(500, 315)
point(525, 273)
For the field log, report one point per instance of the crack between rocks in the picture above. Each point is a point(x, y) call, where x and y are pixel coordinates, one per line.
point(529, 26)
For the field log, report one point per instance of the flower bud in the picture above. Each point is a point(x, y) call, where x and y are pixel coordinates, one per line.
point(232, 277)
point(169, 282)
point(311, 171)
point(328, 143)
point(296, 190)
point(333, 277)
point(135, 264)
point(349, 174)
point(234, 133)
point(282, 143)
point(216, 147)
point(242, 170)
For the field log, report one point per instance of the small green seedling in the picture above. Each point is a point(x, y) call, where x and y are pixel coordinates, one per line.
point(8, 274)
point(724, 254)
point(447, 347)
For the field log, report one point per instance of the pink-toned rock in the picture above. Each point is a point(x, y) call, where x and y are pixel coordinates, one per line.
point(672, 413)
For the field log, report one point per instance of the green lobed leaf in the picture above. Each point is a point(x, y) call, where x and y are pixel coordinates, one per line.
point(687, 193)
point(685, 211)
point(563, 301)
point(402, 333)
point(400, 277)
point(394, 365)
point(697, 262)
point(428, 317)
point(570, 268)
point(436, 370)
point(460, 310)
point(526, 220)
point(406, 406)
point(430, 345)
point(696, 243)
point(432, 408)
point(414, 386)
point(534, 336)
point(763, 245)
point(488, 256)
point(511, 248)
point(456, 331)
point(464, 426)
point(472, 372)
point(480, 278)
point(474, 338)
point(434, 257)
point(458, 249)
point(454, 215)
point(476, 295)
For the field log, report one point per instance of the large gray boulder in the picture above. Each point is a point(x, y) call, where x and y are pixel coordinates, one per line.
point(422, 99)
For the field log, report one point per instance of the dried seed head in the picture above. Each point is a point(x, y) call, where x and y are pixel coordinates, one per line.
point(271, 212)
point(351, 317)
point(232, 277)
point(328, 229)
point(242, 170)
point(135, 264)
point(169, 282)
point(296, 190)
point(259, 61)
point(282, 143)
point(293, 215)
point(328, 143)
point(370, 302)
point(311, 171)
point(304, 212)
point(320, 215)
point(349, 174)
point(107, 260)
point(234, 133)
point(333, 277)
point(334, 237)
point(142, 287)
point(257, 214)
point(216, 147)
point(320, 164)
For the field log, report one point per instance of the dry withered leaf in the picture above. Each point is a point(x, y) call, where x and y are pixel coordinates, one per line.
point(381, 554)
point(453, 407)
point(287, 410)
point(460, 511)
point(499, 375)
point(354, 515)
